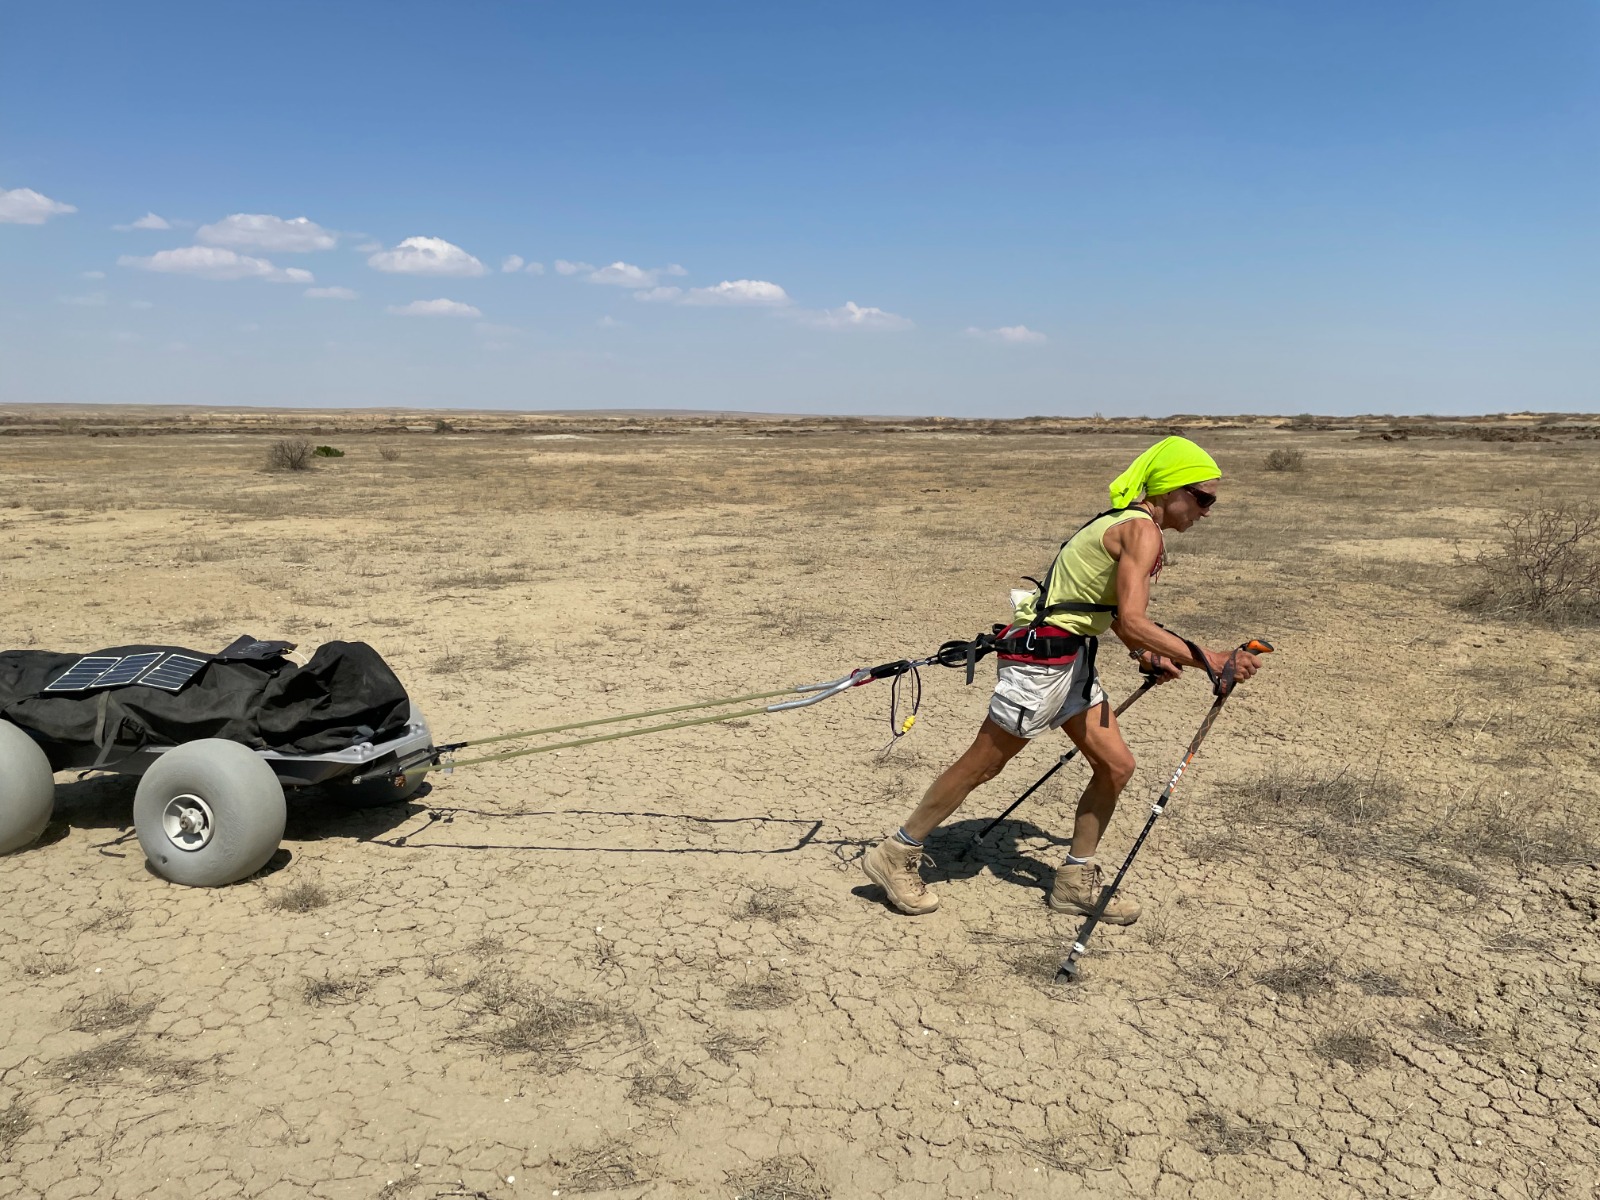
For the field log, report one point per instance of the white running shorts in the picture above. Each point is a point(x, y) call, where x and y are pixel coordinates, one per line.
point(1031, 698)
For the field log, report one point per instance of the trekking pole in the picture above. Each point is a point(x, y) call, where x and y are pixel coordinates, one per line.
point(1222, 687)
point(1151, 678)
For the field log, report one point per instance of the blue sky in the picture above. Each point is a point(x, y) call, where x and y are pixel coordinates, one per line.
point(1140, 207)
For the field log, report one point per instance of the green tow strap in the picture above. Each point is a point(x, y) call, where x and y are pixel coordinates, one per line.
point(638, 716)
point(611, 737)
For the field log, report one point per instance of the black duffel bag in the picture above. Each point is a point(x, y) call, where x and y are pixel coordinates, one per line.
point(345, 695)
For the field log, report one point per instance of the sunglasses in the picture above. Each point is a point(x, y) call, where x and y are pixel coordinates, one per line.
point(1203, 499)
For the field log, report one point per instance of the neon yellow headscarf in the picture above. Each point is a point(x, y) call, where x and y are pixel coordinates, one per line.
point(1165, 467)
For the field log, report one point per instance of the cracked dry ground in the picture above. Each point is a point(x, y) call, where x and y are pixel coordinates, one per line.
point(1367, 966)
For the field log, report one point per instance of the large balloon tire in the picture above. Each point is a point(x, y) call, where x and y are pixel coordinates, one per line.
point(27, 789)
point(209, 813)
point(375, 793)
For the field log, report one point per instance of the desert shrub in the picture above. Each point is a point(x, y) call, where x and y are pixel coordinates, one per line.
point(1354, 1044)
point(328, 452)
point(1286, 460)
point(1545, 564)
point(389, 453)
point(443, 426)
point(289, 454)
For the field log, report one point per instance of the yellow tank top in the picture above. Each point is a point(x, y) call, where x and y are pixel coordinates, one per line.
point(1083, 571)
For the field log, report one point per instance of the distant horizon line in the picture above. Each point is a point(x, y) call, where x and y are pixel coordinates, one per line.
point(754, 414)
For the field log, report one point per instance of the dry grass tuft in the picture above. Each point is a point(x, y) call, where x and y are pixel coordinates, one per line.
point(46, 966)
point(302, 897)
point(389, 453)
point(1286, 460)
point(1220, 970)
point(723, 1045)
point(1037, 964)
point(548, 1030)
point(1545, 565)
point(15, 1120)
point(775, 904)
point(1097, 1146)
point(1377, 983)
point(101, 1062)
point(1218, 1133)
point(1352, 1044)
point(766, 994)
point(105, 1062)
point(1301, 976)
point(1353, 817)
point(113, 918)
point(671, 1084)
point(332, 989)
point(290, 454)
point(788, 1177)
point(1283, 796)
point(602, 1168)
point(1213, 845)
point(111, 1012)
point(1447, 1031)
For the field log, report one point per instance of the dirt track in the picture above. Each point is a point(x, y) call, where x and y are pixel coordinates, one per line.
point(653, 967)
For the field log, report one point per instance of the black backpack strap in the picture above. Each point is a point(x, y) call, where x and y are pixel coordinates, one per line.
point(1043, 608)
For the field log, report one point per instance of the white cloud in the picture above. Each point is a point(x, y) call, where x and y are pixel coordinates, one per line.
point(1013, 335)
point(738, 291)
point(92, 300)
point(262, 231)
point(427, 256)
point(534, 268)
point(214, 262)
point(610, 322)
point(92, 275)
point(434, 308)
point(331, 293)
point(621, 274)
point(729, 293)
point(563, 267)
point(513, 262)
point(853, 316)
point(24, 206)
point(148, 221)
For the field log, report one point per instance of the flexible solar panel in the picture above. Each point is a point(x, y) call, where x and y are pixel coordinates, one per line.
point(81, 675)
point(171, 675)
point(127, 670)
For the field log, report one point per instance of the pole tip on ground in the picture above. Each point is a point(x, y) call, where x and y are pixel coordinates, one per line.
point(1067, 973)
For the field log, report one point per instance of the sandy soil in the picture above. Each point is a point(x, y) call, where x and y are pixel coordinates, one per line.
point(1368, 964)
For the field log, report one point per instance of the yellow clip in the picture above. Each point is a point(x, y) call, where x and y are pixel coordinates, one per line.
point(905, 726)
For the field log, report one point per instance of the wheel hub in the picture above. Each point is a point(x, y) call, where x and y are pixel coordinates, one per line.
point(188, 822)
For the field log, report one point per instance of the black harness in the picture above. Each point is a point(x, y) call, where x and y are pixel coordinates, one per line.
point(1027, 641)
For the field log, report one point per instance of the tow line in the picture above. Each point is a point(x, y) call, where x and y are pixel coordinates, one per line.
point(959, 654)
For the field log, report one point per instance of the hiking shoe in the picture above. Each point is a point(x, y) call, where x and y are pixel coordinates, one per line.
point(1077, 889)
point(892, 865)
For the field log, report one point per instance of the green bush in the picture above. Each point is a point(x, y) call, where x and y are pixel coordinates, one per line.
point(328, 452)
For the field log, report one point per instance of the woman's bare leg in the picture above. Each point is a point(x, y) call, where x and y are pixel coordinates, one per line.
point(990, 751)
point(1100, 742)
